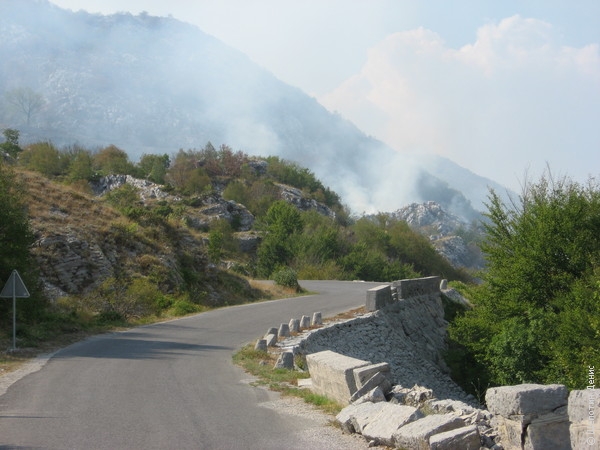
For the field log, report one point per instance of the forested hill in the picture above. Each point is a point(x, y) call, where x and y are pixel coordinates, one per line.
point(155, 85)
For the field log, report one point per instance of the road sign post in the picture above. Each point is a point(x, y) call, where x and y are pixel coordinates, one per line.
point(14, 288)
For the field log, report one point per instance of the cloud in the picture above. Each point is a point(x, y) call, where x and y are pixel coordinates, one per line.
point(513, 100)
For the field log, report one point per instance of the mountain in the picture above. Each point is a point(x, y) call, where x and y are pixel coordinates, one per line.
point(154, 85)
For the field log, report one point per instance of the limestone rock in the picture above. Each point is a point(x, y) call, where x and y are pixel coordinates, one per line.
point(332, 374)
point(364, 411)
point(530, 416)
point(388, 421)
point(416, 435)
point(364, 374)
point(376, 381)
point(374, 395)
point(466, 438)
point(584, 416)
point(526, 399)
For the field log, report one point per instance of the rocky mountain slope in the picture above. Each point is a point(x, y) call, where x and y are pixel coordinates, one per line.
point(452, 236)
point(155, 85)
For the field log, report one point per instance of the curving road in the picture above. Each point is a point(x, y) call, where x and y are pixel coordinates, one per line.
point(166, 386)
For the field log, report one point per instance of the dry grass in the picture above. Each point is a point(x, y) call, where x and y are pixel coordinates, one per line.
point(53, 207)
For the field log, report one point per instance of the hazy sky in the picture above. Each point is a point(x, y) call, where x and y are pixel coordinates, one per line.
point(498, 87)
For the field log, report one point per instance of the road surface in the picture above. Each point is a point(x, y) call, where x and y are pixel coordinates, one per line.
point(170, 385)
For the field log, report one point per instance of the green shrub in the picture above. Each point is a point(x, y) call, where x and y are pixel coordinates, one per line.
point(287, 277)
point(183, 307)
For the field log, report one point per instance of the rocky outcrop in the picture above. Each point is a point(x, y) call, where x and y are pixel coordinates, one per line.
point(441, 227)
point(295, 197)
point(146, 189)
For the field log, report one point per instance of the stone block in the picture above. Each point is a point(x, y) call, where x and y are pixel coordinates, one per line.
point(550, 431)
point(390, 418)
point(378, 297)
point(304, 322)
point(416, 435)
point(509, 432)
point(584, 418)
point(354, 416)
point(332, 374)
point(285, 361)
point(379, 380)
point(466, 438)
point(317, 319)
point(375, 395)
point(294, 325)
point(443, 285)
point(271, 340)
point(364, 374)
point(526, 399)
point(417, 286)
point(261, 345)
point(271, 330)
point(284, 330)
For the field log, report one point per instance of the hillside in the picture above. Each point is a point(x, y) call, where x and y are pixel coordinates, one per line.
point(155, 85)
point(183, 228)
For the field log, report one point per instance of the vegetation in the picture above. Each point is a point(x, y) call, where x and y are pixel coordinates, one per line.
point(536, 315)
point(260, 364)
point(164, 264)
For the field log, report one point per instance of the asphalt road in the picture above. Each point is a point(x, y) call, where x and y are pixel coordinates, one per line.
point(166, 386)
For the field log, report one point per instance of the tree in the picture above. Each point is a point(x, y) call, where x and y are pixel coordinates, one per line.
point(543, 254)
point(154, 167)
point(11, 143)
point(25, 101)
point(113, 160)
point(282, 223)
point(16, 239)
point(81, 165)
point(43, 157)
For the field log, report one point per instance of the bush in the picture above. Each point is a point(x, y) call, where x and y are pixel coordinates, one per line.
point(286, 277)
point(534, 318)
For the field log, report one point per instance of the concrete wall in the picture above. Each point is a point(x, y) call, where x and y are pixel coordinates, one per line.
point(417, 286)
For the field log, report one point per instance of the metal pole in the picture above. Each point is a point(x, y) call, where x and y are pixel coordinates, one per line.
point(14, 311)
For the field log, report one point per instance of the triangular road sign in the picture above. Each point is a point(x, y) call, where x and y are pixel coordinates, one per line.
point(14, 287)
